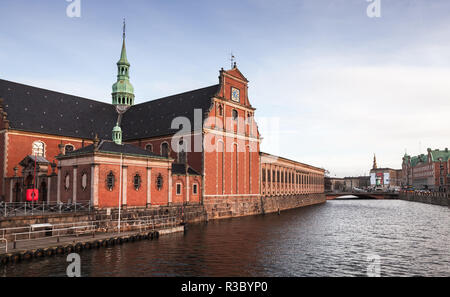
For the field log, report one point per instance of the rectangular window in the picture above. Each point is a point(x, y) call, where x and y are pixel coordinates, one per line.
point(195, 189)
point(178, 189)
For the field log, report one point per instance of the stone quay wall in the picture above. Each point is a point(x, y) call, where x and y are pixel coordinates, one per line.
point(442, 199)
point(191, 213)
point(221, 208)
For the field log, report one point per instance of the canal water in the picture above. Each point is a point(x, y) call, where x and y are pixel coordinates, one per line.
point(334, 239)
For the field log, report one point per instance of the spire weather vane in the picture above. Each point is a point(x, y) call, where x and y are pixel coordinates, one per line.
point(233, 60)
point(124, 27)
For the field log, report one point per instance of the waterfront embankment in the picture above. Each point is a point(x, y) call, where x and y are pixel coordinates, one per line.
point(337, 238)
point(437, 198)
point(14, 252)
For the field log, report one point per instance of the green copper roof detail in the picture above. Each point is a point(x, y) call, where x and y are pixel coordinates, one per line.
point(123, 90)
point(123, 55)
point(117, 135)
point(440, 155)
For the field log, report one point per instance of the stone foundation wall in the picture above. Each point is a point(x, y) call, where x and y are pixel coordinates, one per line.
point(220, 208)
point(442, 199)
point(191, 213)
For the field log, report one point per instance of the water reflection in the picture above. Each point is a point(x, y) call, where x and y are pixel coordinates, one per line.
point(326, 240)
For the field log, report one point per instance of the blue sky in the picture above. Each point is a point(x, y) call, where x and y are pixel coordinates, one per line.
point(337, 85)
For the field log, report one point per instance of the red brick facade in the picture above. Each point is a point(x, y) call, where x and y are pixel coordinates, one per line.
point(99, 167)
point(229, 162)
point(428, 171)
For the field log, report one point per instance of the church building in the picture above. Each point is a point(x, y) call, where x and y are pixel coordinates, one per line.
point(201, 146)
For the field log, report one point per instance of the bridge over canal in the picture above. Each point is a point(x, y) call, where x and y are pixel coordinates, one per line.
point(361, 195)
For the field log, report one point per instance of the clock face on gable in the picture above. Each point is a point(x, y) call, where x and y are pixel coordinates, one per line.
point(235, 94)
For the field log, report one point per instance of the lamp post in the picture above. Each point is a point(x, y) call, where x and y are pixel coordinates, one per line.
point(120, 192)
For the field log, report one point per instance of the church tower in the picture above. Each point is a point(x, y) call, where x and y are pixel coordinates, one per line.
point(122, 90)
point(375, 162)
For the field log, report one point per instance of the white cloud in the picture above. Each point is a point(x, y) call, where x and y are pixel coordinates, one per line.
point(340, 113)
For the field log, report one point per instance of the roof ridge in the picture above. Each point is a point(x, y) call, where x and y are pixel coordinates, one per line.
point(53, 91)
point(178, 94)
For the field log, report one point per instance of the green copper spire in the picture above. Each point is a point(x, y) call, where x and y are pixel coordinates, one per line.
point(123, 55)
point(117, 135)
point(122, 90)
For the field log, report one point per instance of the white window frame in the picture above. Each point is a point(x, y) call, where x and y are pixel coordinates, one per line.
point(43, 148)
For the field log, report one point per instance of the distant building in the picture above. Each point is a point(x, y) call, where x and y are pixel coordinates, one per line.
point(346, 184)
point(448, 175)
point(334, 184)
point(359, 182)
point(427, 171)
point(384, 177)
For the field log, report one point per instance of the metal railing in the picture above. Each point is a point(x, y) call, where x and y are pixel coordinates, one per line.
point(12, 209)
point(141, 224)
point(5, 232)
point(426, 194)
point(53, 233)
point(26, 234)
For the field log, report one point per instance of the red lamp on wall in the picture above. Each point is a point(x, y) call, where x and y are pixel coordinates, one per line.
point(32, 195)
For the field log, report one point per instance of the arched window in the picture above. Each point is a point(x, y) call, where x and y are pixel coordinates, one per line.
point(159, 182)
point(38, 149)
point(165, 149)
point(137, 182)
point(67, 182)
point(84, 181)
point(179, 188)
point(149, 147)
point(110, 181)
point(221, 166)
point(195, 189)
point(235, 114)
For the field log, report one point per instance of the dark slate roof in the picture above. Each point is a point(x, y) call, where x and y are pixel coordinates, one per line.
point(111, 147)
point(154, 118)
point(43, 111)
point(37, 110)
point(181, 169)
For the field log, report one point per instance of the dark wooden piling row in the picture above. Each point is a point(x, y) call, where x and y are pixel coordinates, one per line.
point(74, 247)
